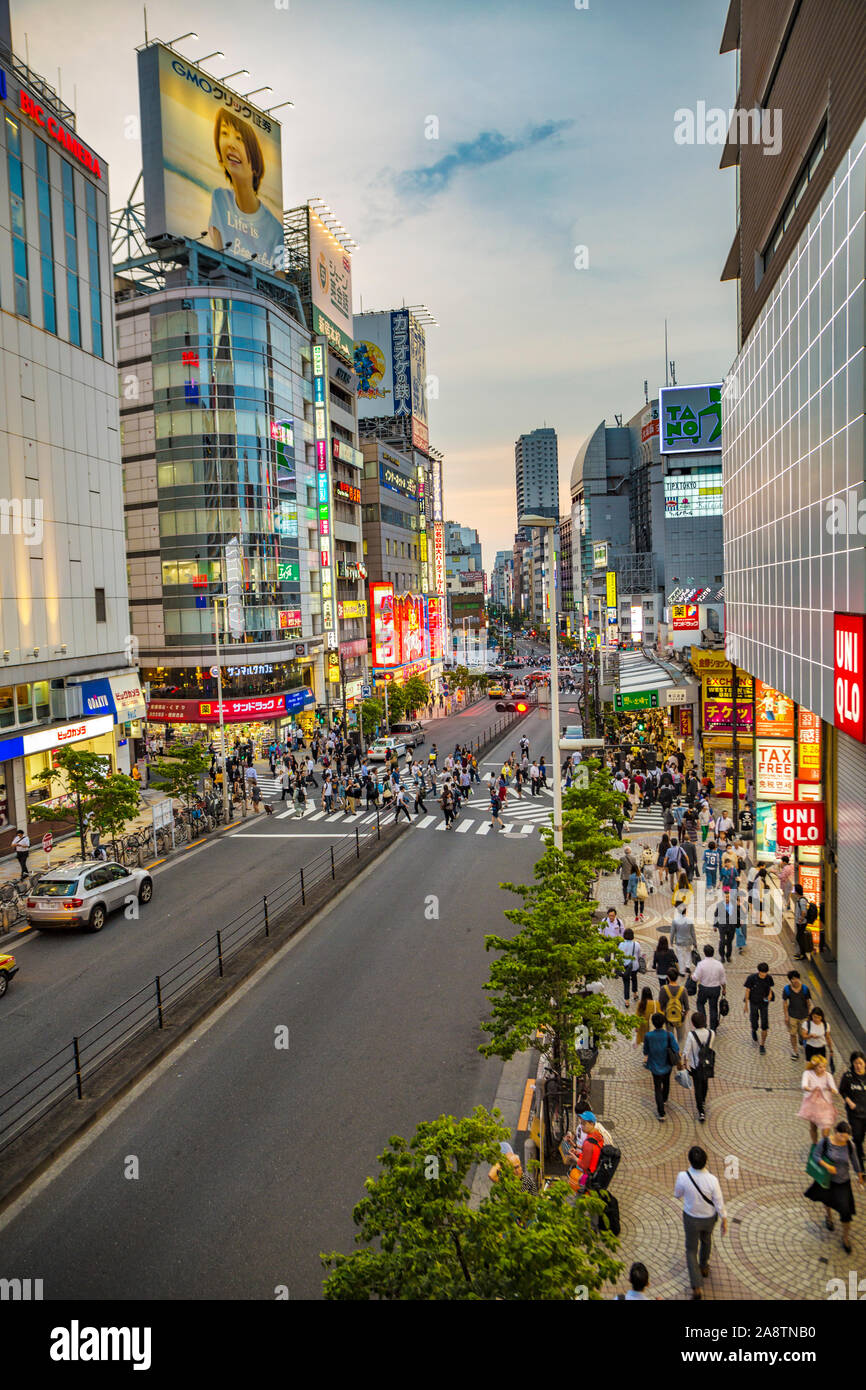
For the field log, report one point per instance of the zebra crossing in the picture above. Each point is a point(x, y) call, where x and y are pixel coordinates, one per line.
point(647, 820)
point(464, 825)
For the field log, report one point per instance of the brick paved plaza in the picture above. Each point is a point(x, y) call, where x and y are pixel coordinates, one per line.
point(777, 1246)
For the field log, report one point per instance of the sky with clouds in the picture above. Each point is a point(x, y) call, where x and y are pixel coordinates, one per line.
point(555, 130)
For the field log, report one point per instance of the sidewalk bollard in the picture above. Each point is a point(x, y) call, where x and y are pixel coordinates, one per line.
point(77, 1063)
point(378, 828)
point(303, 894)
point(357, 844)
point(159, 1016)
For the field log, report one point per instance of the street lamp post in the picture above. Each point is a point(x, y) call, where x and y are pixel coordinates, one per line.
point(217, 600)
point(548, 523)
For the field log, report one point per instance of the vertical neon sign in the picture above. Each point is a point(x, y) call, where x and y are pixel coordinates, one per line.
point(324, 498)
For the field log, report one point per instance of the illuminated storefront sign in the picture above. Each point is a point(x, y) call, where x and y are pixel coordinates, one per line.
point(383, 629)
point(346, 492)
point(599, 555)
point(611, 588)
point(694, 494)
point(71, 144)
point(250, 709)
point(774, 769)
point(352, 608)
point(808, 746)
point(288, 572)
point(397, 481)
point(290, 617)
point(321, 431)
point(436, 625)
point(719, 717)
point(439, 555)
point(849, 631)
point(774, 712)
point(685, 617)
point(800, 823)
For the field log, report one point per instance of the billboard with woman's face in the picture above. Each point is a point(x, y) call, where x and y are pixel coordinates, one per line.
point(212, 163)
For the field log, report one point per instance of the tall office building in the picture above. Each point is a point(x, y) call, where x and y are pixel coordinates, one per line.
point(65, 677)
point(536, 468)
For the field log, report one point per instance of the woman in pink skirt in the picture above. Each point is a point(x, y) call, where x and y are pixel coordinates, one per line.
point(818, 1106)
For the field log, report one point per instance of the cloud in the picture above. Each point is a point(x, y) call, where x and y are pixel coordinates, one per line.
point(489, 147)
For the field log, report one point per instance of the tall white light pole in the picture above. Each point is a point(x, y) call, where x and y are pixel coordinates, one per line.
point(547, 523)
point(217, 599)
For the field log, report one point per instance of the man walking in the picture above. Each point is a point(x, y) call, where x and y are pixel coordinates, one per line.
point(711, 981)
point(21, 846)
point(401, 804)
point(726, 919)
point(796, 1003)
point(703, 1205)
point(662, 1052)
point(683, 940)
point(757, 999)
point(805, 944)
point(534, 779)
point(446, 801)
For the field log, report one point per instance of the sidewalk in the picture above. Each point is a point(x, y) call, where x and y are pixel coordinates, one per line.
point(777, 1247)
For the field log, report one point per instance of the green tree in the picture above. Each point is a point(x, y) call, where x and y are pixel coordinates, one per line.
point(424, 1241)
point(587, 832)
point(181, 771)
point(541, 979)
point(109, 800)
point(396, 702)
point(372, 714)
point(417, 693)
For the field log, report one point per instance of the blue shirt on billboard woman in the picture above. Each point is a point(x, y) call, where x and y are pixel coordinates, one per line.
point(239, 222)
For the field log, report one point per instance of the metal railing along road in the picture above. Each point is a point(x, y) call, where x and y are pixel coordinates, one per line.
point(63, 1075)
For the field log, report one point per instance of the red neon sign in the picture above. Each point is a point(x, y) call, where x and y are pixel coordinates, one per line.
point(849, 631)
point(64, 137)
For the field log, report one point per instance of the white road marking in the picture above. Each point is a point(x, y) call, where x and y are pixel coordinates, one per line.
point(464, 827)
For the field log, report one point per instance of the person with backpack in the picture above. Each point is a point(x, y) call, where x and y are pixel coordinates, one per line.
point(852, 1089)
point(838, 1157)
point(630, 951)
point(495, 808)
point(757, 999)
point(805, 913)
point(675, 862)
point(663, 959)
point(815, 1032)
point(703, 1205)
point(795, 1005)
point(700, 1059)
point(662, 1053)
point(674, 1004)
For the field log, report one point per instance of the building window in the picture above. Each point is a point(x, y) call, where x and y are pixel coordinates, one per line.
point(70, 235)
point(16, 214)
point(46, 239)
point(99, 595)
point(93, 270)
point(813, 159)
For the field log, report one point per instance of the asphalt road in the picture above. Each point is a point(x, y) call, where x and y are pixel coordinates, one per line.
point(69, 980)
point(250, 1157)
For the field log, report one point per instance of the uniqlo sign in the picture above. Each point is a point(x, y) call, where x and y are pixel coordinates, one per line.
point(849, 630)
point(800, 822)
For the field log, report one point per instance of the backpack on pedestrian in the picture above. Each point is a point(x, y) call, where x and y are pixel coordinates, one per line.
point(675, 1008)
point(705, 1068)
point(600, 1179)
point(610, 1215)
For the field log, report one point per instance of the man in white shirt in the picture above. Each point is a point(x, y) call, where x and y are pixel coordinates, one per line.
point(724, 824)
point(703, 1204)
point(534, 776)
point(711, 981)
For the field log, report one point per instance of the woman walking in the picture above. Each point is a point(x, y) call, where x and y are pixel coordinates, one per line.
point(645, 1010)
point(699, 1057)
point(852, 1089)
point(818, 1105)
point(816, 1037)
point(838, 1157)
point(682, 894)
point(663, 959)
point(630, 950)
point(637, 891)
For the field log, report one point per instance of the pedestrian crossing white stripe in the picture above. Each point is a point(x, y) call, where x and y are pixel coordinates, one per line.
point(282, 815)
point(318, 815)
point(335, 816)
point(484, 828)
point(463, 828)
point(310, 810)
point(367, 819)
point(443, 825)
point(527, 829)
point(354, 816)
point(427, 820)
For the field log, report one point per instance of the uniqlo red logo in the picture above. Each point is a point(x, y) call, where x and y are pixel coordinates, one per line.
point(800, 822)
point(849, 630)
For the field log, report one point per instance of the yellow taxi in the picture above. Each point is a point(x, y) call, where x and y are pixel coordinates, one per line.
point(8, 968)
point(495, 692)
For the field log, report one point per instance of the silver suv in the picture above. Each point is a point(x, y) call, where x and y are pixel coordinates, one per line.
point(83, 893)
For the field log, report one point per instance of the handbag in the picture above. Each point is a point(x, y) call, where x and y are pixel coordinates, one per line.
point(642, 891)
point(696, 960)
point(814, 1169)
point(691, 985)
point(641, 963)
point(724, 1007)
point(684, 1080)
